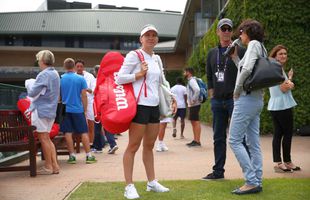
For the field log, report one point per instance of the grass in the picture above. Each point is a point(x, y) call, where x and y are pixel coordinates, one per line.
point(273, 189)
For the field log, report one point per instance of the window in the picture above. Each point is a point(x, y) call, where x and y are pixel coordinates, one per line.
point(32, 41)
point(10, 40)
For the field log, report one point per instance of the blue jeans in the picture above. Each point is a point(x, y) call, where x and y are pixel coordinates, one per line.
point(110, 138)
point(245, 122)
point(221, 110)
point(99, 138)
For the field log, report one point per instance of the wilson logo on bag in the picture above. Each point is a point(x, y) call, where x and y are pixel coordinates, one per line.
point(114, 105)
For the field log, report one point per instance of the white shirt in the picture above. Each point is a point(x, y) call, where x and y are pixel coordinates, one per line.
point(131, 66)
point(179, 91)
point(91, 84)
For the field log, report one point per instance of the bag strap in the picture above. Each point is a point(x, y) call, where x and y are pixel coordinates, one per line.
point(141, 58)
point(163, 78)
point(263, 52)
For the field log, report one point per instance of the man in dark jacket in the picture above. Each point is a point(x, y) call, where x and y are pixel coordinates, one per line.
point(221, 74)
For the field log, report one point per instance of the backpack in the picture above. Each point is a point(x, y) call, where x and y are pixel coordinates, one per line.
point(203, 94)
point(114, 105)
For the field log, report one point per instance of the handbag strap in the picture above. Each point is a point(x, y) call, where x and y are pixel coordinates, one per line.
point(141, 58)
point(262, 46)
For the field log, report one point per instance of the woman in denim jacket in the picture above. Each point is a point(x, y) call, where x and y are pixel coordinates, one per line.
point(247, 108)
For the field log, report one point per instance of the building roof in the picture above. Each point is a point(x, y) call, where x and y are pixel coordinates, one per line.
point(89, 22)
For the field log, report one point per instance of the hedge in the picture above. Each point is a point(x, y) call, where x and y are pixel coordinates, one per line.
point(286, 22)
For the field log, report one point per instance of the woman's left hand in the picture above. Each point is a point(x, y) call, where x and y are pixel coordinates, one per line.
point(290, 74)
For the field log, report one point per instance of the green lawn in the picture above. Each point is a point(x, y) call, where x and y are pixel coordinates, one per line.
point(273, 189)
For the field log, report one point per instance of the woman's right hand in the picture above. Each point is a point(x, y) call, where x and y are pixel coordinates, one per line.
point(142, 72)
point(144, 68)
point(234, 55)
point(286, 86)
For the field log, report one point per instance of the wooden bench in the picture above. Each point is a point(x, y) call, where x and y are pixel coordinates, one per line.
point(16, 136)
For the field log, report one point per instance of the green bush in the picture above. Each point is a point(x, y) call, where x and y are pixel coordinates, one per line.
point(172, 75)
point(286, 22)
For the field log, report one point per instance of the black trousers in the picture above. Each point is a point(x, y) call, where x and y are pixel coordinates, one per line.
point(283, 132)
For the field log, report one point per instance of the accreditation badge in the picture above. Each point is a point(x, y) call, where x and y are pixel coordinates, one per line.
point(220, 76)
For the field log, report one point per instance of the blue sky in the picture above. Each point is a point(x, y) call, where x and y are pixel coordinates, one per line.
point(32, 5)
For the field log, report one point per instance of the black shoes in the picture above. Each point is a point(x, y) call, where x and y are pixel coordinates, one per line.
point(174, 134)
point(254, 190)
point(213, 176)
point(194, 144)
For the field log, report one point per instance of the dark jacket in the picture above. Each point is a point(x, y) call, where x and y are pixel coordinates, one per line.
point(222, 90)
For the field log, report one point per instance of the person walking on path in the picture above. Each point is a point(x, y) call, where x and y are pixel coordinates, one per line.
point(73, 93)
point(145, 125)
point(192, 91)
point(179, 90)
point(281, 105)
point(221, 74)
point(45, 91)
point(161, 146)
point(245, 120)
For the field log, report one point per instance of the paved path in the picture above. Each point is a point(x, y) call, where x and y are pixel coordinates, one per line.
point(180, 162)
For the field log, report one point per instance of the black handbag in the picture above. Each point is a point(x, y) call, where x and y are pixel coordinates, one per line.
point(266, 73)
point(60, 112)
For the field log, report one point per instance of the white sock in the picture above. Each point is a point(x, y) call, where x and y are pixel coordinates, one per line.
point(152, 182)
point(88, 154)
point(72, 154)
point(160, 142)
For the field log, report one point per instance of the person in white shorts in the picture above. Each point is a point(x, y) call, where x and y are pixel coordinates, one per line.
point(45, 93)
point(179, 90)
point(161, 146)
point(91, 84)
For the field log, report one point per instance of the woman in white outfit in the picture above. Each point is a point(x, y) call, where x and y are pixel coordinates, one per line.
point(145, 125)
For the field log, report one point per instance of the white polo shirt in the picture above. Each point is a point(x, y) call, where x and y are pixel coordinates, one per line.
point(131, 66)
point(91, 84)
point(179, 91)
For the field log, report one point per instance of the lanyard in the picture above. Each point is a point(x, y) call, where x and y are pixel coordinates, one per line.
point(218, 61)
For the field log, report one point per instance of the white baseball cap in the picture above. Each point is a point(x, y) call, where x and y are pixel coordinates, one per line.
point(148, 27)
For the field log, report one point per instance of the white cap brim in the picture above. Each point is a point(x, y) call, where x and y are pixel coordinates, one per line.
point(148, 28)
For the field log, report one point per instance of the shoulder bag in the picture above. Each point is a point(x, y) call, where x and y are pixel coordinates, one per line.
point(165, 95)
point(266, 73)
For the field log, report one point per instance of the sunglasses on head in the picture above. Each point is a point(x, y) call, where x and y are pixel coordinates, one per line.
point(224, 29)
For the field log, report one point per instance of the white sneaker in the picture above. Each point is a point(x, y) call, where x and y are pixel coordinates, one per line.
point(131, 192)
point(112, 150)
point(164, 147)
point(156, 187)
point(161, 146)
point(158, 147)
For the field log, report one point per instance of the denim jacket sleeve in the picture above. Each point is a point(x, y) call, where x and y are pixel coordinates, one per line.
point(247, 63)
point(39, 84)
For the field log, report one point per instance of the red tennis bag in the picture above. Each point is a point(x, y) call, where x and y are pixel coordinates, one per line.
point(23, 105)
point(114, 105)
